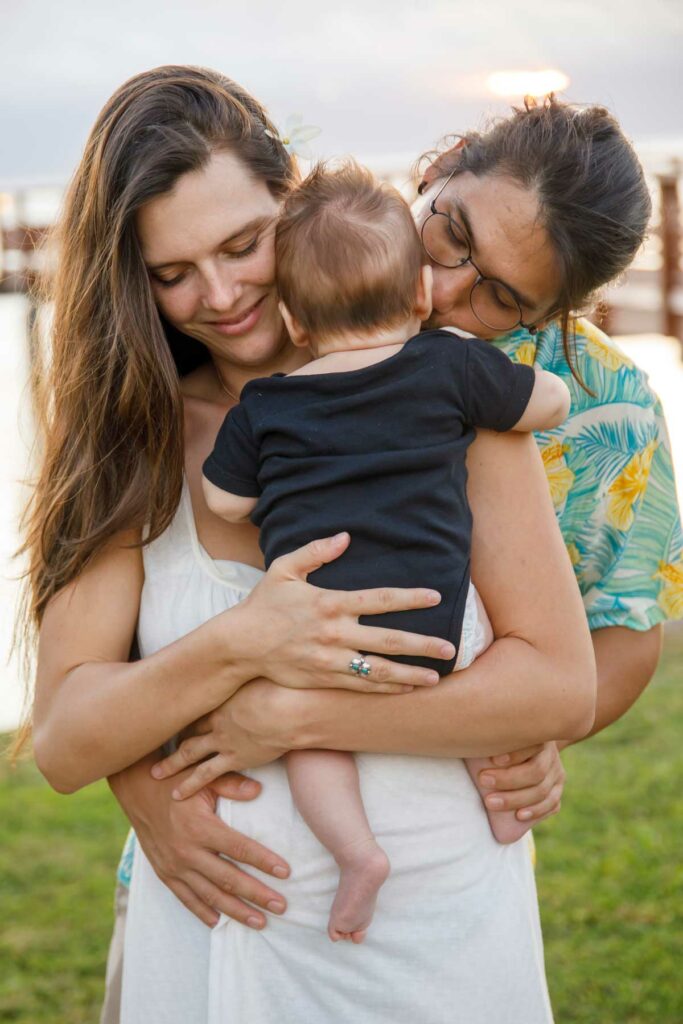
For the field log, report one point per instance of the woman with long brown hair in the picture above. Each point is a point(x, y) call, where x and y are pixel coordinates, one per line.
point(166, 259)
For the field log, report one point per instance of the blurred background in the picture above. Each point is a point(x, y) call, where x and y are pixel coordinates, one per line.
point(384, 81)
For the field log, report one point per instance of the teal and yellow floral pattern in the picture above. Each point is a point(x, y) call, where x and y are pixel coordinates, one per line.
point(611, 480)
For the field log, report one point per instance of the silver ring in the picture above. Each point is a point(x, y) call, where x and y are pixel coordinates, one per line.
point(360, 666)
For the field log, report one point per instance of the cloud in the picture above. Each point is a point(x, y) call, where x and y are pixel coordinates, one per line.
point(388, 75)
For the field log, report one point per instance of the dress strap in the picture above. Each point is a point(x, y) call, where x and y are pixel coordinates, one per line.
point(233, 574)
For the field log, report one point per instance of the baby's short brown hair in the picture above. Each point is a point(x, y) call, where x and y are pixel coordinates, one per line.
point(348, 253)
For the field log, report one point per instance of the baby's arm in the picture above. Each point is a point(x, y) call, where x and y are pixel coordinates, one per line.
point(548, 406)
point(230, 474)
point(232, 507)
point(503, 395)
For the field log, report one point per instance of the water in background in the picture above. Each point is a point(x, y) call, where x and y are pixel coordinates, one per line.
point(659, 356)
point(15, 431)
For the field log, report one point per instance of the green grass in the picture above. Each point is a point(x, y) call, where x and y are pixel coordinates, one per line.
point(610, 870)
point(58, 858)
point(609, 874)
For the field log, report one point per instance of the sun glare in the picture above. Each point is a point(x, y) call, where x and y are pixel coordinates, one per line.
point(527, 83)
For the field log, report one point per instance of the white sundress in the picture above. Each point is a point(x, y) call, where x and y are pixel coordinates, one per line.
point(455, 939)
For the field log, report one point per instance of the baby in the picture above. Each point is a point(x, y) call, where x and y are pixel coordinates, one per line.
point(370, 438)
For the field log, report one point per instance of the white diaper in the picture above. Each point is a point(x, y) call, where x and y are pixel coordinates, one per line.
point(477, 632)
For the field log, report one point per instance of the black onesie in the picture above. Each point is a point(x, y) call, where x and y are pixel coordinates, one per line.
point(379, 452)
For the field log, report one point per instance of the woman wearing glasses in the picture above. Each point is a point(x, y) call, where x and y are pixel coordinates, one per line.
point(181, 181)
point(522, 225)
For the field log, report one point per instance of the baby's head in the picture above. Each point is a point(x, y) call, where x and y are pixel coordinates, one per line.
point(348, 258)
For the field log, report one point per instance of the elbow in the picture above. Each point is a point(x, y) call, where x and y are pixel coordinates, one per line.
point(554, 400)
point(579, 723)
point(52, 767)
point(576, 702)
point(562, 404)
point(56, 779)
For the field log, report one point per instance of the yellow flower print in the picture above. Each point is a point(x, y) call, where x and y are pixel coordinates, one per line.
point(628, 487)
point(526, 353)
point(574, 554)
point(670, 597)
point(560, 477)
point(603, 349)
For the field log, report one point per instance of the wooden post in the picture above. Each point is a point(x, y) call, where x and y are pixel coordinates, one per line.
point(670, 235)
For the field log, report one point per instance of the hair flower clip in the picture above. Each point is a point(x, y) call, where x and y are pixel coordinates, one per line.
point(295, 136)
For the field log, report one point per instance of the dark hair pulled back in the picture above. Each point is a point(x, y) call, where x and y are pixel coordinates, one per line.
point(591, 189)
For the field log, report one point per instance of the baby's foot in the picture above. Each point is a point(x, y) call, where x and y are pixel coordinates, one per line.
point(363, 868)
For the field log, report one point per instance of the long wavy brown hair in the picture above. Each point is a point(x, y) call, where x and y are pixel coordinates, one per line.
point(106, 383)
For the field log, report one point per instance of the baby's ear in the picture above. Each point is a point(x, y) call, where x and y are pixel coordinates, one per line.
point(296, 332)
point(423, 299)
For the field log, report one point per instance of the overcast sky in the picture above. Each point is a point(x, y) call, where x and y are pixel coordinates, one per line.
point(377, 76)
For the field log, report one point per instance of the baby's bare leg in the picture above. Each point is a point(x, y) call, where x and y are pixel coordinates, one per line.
point(325, 788)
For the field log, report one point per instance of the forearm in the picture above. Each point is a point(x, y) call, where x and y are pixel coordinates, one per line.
point(625, 660)
point(129, 784)
point(513, 696)
point(536, 682)
point(104, 716)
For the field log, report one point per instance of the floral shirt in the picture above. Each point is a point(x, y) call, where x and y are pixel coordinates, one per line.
point(611, 480)
point(612, 484)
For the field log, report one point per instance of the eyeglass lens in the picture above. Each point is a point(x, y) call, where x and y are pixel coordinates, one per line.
point(492, 302)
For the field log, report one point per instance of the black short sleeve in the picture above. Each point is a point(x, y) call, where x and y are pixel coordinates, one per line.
point(498, 390)
point(233, 464)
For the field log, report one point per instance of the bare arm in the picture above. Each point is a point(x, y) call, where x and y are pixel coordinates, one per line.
point(523, 690)
point(548, 406)
point(626, 661)
point(531, 780)
point(232, 507)
point(95, 713)
point(537, 680)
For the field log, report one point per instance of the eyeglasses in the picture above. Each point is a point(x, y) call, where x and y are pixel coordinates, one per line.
point(491, 301)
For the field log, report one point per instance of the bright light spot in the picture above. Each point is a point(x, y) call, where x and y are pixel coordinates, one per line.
point(527, 83)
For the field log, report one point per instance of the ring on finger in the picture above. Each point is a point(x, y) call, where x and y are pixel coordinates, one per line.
point(360, 666)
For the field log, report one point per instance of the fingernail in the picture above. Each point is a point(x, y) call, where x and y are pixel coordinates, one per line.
point(176, 794)
point(434, 597)
point(433, 678)
point(157, 771)
point(407, 689)
point(447, 651)
point(495, 803)
point(254, 922)
point(487, 780)
point(248, 787)
point(501, 759)
point(524, 815)
point(340, 536)
point(275, 906)
point(280, 872)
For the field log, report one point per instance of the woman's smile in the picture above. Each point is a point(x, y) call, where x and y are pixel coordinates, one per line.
point(222, 257)
point(242, 323)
